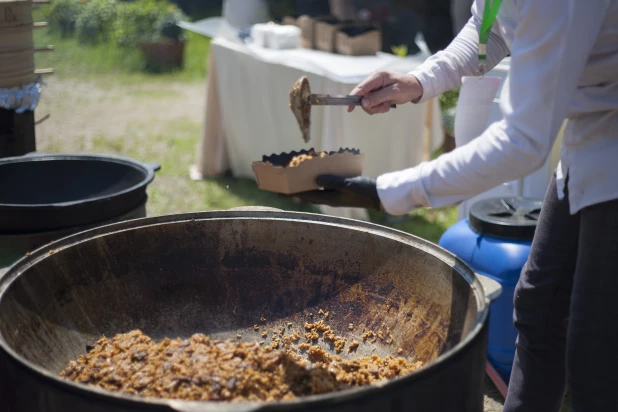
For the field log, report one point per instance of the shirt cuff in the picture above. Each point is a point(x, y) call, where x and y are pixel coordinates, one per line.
point(403, 191)
point(424, 78)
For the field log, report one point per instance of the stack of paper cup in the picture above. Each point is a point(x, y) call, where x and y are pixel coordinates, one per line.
point(260, 34)
point(275, 36)
point(284, 37)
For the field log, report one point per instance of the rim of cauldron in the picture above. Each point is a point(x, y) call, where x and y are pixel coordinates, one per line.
point(327, 398)
point(149, 170)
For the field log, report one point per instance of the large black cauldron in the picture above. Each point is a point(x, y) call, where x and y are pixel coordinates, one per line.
point(43, 192)
point(216, 273)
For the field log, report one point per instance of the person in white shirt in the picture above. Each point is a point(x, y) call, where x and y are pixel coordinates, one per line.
point(564, 65)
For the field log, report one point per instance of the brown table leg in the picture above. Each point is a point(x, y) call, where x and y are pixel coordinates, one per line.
point(211, 152)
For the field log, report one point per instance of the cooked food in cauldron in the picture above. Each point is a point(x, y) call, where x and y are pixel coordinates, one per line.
point(200, 368)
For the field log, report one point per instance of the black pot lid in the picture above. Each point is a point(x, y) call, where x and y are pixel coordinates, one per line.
point(507, 217)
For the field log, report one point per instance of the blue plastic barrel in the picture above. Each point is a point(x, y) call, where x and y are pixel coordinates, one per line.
point(495, 241)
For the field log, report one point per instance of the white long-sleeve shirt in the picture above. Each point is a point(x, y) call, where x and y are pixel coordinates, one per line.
point(564, 65)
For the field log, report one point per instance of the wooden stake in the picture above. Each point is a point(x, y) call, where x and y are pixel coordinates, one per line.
point(44, 48)
point(42, 119)
point(44, 71)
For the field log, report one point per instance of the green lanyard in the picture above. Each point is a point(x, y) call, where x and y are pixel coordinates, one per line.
point(489, 16)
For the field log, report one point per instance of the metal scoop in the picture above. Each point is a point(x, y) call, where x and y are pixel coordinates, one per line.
point(301, 101)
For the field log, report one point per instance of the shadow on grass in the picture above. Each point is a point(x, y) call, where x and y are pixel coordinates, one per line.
point(428, 224)
point(247, 190)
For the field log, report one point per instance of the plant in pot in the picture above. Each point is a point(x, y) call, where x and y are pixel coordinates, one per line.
point(152, 25)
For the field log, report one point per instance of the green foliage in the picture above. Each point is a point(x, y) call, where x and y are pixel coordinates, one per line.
point(448, 103)
point(108, 61)
point(124, 21)
point(62, 16)
point(148, 20)
point(448, 100)
point(135, 20)
point(95, 22)
point(167, 25)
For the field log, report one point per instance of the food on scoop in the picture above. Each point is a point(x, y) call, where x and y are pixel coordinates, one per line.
point(301, 107)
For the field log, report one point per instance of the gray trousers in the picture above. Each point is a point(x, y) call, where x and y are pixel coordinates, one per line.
point(566, 311)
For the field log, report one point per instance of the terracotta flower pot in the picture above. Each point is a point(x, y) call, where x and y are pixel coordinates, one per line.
point(163, 52)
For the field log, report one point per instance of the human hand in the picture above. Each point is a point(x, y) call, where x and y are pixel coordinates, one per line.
point(339, 191)
point(383, 88)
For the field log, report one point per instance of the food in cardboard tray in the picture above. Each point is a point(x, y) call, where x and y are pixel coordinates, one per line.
point(294, 158)
point(297, 160)
point(293, 172)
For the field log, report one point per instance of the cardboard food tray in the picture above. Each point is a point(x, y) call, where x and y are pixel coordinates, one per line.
point(367, 43)
point(325, 34)
point(307, 25)
point(289, 21)
point(273, 174)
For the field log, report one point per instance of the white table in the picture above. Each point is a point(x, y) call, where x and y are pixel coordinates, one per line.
point(247, 112)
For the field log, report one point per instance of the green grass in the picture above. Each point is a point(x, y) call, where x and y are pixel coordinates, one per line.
point(429, 224)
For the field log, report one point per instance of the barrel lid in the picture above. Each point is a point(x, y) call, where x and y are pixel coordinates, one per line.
point(506, 217)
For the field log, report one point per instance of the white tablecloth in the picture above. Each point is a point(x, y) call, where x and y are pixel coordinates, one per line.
point(247, 112)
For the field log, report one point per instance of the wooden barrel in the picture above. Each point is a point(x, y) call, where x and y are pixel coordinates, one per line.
point(16, 38)
point(16, 43)
point(15, 13)
point(16, 68)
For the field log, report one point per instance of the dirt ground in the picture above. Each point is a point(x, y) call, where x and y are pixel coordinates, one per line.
point(82, 111)
point(493, 399)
